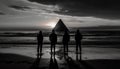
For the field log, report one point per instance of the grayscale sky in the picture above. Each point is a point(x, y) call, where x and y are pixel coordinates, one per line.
point(32, 14)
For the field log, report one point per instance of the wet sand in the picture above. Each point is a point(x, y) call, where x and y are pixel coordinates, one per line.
point(93, 58)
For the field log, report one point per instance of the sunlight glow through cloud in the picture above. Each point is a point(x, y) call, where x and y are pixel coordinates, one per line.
point(52, 24)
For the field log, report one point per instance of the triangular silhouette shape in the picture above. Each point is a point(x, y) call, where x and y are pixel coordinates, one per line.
point(60, 27)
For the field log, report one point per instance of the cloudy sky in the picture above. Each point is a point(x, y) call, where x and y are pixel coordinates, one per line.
point(34, 14)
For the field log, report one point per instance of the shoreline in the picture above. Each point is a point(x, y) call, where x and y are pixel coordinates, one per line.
point(58, 46)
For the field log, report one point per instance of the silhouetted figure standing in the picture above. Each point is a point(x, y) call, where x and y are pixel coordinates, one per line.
point(40, 42)
point(53, 40)
point(66, 39)
point(78, 38)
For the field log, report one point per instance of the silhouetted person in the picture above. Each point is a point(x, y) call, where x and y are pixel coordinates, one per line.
point(53, 40)
point(66, 39)
point(78, 38)
point(40, 42)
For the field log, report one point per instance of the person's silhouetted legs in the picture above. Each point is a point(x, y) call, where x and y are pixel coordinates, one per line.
point(40, 48)
point(67, 48)
point(54, 51)
point(37, 55)
point(64, 49)
point(80, 51)
point(76, 48)
point(51, 49)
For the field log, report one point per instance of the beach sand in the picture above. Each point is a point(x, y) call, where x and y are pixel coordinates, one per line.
point(25, 58)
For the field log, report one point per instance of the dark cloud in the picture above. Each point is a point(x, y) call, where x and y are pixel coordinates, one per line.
point(19, 7)
point(1, 13)
point(109, 9)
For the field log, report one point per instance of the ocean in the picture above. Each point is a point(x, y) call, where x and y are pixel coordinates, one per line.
point(90, 38)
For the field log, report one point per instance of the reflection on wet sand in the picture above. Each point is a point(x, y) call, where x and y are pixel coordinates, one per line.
point(53, 63)
point(36, 63)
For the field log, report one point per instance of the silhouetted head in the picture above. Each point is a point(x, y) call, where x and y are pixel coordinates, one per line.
point(40, 32)
point(53, 31)
point(78, 31)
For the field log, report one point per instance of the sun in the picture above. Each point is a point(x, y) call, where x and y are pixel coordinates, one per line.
point(51, 24)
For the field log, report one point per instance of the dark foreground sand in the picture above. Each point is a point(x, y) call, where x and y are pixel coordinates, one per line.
point(14, 61)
